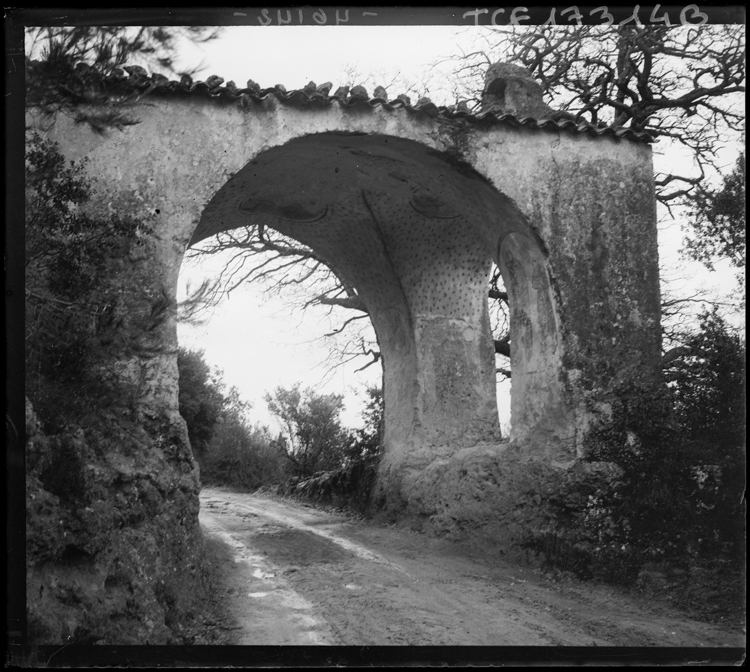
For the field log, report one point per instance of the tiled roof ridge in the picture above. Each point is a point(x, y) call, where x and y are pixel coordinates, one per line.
point(138, 78)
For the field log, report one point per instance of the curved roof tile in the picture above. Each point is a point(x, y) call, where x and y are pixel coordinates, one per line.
point(139, 79)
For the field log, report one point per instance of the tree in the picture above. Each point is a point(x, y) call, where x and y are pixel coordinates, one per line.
point(312, 437)
point(685, 481)
point(72, 303)
point(682, 84)
point(202, 398)
point(106, 48)
point(70, 68)
point(685, 84)
point(708, 383)
point(718, 220)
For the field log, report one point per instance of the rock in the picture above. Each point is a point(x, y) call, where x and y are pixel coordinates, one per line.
point(94, 529)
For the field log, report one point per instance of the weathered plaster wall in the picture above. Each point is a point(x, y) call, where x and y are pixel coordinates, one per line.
point(592, 205)
point(412, 209)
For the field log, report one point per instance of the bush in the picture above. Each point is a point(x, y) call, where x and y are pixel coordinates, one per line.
point(350, 484)
point(73, 290)
point(664, 481)
point(202, 398)
point(241, 457)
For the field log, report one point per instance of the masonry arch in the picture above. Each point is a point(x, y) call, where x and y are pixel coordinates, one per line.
point(565, 208)
point(415, 231)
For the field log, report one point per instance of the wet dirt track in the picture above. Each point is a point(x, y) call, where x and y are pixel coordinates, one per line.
point(297, 575)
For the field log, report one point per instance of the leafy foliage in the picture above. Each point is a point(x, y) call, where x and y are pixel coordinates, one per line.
point(708, 384)
point(710, 407)
point(350, 483)
point(365, 443)
point(242, 457)
point(312, 435)
point(718, 220)
point(229, 451)
point(202, 398)
point(106, 48)
point(72, 298)
point(232, 452)
point(665, 479)
point(78, 70)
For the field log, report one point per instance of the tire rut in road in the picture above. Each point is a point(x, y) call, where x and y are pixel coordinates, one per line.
point(297, 522)
point(365, 598)
point(372, 585)
point(267, 610)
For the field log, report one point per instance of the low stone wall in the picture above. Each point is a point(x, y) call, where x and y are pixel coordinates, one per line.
point(495, 498)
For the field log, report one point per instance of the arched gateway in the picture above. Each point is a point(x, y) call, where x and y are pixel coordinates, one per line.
point(411, 204)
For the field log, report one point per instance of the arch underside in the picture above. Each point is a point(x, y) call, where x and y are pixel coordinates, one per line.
point(415, 232)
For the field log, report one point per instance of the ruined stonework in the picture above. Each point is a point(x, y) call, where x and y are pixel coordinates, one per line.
point(114, 549)
point(412, 204)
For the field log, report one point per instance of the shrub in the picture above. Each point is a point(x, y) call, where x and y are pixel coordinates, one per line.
point(664, 481)
point(202, 398)
point(73, 290)
point(242, 457)
point(350, 484)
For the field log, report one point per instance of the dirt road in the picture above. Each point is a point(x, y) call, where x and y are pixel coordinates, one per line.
point(297, 575)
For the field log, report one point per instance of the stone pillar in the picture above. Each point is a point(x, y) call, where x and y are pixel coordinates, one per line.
point(541, 417)
point(445, 381)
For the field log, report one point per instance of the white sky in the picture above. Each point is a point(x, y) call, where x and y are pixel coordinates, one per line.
point(259, 343)
point(295, 55)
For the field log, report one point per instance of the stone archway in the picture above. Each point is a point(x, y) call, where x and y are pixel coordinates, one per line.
point(414, 231)
point(424, 199)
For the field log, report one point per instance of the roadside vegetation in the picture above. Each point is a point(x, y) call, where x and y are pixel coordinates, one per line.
point(73, 317)
point(311, 455)
point(667, 515)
